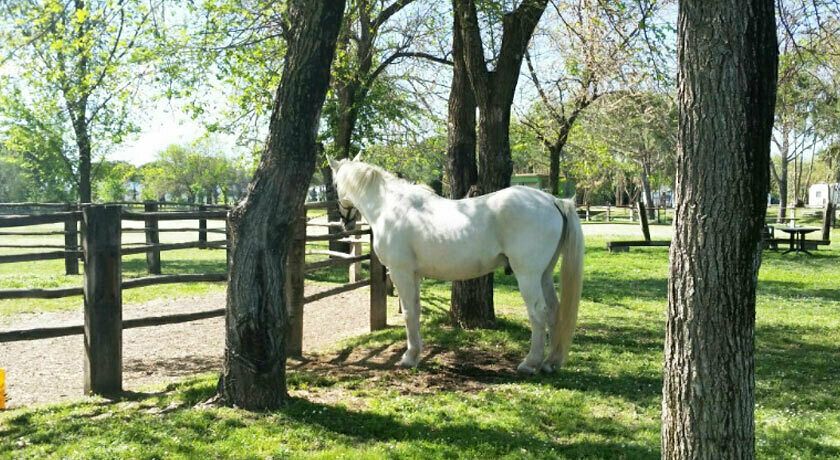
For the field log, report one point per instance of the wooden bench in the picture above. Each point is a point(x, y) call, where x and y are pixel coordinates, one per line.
point(624, 246)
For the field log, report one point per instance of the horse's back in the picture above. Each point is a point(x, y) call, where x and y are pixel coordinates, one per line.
point(460, 239)
point(530, 226)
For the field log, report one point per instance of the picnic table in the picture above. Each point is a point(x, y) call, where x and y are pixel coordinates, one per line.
point(797, 237)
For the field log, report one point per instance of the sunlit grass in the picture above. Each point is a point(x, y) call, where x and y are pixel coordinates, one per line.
point(604, 404)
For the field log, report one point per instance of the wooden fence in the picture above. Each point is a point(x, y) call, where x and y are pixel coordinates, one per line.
point(102, 252)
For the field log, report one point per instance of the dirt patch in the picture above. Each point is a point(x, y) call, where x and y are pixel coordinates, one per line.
point(464, 370)
point(51, 370)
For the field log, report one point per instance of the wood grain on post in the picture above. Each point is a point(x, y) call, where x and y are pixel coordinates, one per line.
point(354, 272)
point(152, 237)
point(378, 292)
point(71, 244)
point(103, 300)
point(202, 228)
point(643, 219)
point(295, 263)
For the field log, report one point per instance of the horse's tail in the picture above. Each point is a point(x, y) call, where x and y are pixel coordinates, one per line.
point(571, 277)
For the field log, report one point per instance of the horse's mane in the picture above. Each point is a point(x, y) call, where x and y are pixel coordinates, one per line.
point(354, 178)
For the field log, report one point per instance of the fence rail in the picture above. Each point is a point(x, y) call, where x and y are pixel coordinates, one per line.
point(102, 251)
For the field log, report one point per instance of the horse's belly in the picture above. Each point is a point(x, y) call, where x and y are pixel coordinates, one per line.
point(454, 263)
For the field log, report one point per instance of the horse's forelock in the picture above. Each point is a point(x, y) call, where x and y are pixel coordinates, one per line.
point(354, 177)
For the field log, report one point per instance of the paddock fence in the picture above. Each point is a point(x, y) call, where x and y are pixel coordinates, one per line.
point(101, 228)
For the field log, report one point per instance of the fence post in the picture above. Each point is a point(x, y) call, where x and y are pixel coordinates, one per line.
point(202, 229)
point(228, 241)
point(608, 213)
point(354, 273)
point(643, 219)
point(71, 243)
point(826, 227)
point(378, 292)
point(103, 300)
point(588, 213)
point(152, 237)
point(295, 263)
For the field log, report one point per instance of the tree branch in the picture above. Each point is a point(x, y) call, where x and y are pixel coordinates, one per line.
point(389, 11)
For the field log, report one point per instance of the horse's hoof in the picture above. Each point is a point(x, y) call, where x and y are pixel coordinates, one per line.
point(525, 368)
point(548, 367)
point(409, 360)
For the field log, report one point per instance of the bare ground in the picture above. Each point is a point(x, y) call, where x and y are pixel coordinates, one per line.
point(51, 370)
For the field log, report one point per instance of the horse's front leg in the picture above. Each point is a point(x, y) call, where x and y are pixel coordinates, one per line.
point(408, 286)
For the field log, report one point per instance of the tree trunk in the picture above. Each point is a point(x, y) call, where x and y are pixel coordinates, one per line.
point(555, 152)
point(80, 130)
point(722, 182)
point(472, 300)
point(493, 91)
point(647, 193)
point(554, 169)
point(262, 225)
point(783, 187)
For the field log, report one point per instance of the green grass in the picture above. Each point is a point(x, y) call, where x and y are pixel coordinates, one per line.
point(465, 401)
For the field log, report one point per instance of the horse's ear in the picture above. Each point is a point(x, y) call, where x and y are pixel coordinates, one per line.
point(333, 163)
point(358, 157)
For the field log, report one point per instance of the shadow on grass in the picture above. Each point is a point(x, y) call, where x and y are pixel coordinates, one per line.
point(447, 435)
point(796, 289)
point(793, 373)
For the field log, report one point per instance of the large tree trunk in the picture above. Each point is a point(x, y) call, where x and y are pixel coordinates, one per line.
point(493, 91)
point(472, 300)
point(256, 320)
point(728, 61)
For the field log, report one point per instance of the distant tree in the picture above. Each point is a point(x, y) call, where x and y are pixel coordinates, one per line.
point(802, 98)
point(420, 161)
point(92, 56)
point(639, 127)
point(34, 142)
point(13, 185)
point(262, 225)
point(116, 177)
point(723, 160)
point(591, 48)
point(194, 173)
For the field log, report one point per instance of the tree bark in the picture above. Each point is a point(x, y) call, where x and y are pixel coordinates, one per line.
point(471, 300)
point(83, 144)
point(262, 225)
point(728, 66)
point(783, 187)
point(493, 92)
point(352, 92)
point(647, 192)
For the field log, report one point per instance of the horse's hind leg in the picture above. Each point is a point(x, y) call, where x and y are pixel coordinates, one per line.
point(408, 287)
point(530, 286)
point(552, 362)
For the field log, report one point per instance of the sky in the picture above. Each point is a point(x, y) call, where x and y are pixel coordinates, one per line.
point(163, 128)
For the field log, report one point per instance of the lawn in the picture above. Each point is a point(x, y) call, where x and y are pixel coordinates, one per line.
point(465, 400)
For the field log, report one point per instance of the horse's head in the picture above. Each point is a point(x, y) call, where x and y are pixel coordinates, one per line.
point(348, 212)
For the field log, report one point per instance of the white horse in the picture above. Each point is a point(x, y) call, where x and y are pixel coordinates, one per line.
point(419, 234)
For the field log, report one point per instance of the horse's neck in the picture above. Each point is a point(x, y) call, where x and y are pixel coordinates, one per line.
point(371, 203)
